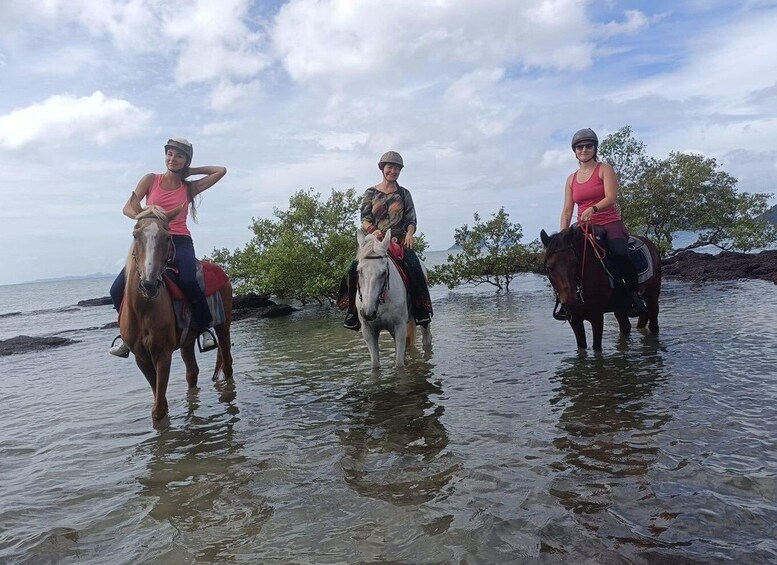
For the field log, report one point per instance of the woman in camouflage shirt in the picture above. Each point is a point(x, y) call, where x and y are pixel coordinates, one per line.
point(389, 206)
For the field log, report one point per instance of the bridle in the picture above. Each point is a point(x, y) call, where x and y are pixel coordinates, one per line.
point(599, 253)
point(383, 289)
point(159, 279)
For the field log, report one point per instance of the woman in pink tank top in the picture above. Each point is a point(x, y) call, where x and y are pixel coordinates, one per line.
point(170, 190)
point(594, 189)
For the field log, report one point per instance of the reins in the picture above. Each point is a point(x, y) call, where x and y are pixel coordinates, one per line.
point(385, 288)
point(599, 251)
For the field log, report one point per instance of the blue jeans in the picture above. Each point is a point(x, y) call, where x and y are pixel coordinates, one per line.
point(186, 261)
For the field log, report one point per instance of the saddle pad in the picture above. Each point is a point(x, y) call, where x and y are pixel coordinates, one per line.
point(639, 255)
point(183, 313)
point(395, 250)
point(210, 277)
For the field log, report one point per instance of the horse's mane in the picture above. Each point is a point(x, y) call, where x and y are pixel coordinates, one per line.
point(157, 211)
point(370, 247)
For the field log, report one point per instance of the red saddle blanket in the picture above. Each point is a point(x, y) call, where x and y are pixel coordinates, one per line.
point(397, 254)
point(215, 279)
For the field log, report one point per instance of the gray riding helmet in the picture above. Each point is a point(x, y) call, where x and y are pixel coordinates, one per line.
point(182, 145)
point(391, 157)
point(585, 134)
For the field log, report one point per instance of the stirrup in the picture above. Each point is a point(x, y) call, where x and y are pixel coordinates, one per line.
point(121, 350)
point(560, 312)
point(423, 320)
point(352, 322)
point(206, 341)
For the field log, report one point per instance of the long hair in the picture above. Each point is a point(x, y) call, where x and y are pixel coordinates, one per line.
point(190, 195)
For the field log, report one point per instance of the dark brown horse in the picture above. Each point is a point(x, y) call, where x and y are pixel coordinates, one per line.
point(582, 284)
point(147, 320)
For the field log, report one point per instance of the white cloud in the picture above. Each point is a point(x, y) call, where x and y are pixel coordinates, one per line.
point(723, 67)
point(378, 41)
point(635, 22)
point(215, 42)
point(230, 96)
point(64, 117)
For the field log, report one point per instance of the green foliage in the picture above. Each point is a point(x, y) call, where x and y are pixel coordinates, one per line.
point(490, 253)
point(302, 253)
point(685, 192)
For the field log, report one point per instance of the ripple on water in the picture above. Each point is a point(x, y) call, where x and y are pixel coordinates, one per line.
point(502, 445)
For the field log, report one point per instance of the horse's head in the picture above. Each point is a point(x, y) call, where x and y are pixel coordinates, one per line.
point(562, 263)
point(152, 247)
point(373, 270)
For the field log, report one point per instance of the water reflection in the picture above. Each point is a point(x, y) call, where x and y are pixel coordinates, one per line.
point(394, 439)
point(609, 420)
point(199, 479)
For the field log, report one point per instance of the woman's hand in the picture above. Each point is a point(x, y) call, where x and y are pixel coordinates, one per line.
point(587, 215)
point(378, 235)
point(409, 241)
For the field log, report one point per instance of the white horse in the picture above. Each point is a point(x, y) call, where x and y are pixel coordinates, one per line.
point(382, 301)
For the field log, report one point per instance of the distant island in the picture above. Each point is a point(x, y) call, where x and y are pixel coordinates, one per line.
point(771, 214)
point(73, 278)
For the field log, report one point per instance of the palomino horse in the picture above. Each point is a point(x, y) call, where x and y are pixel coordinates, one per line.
point(582, 284)
point(382, 300)
point(147, 320)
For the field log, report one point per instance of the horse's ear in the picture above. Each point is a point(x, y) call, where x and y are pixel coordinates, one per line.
point(174, 212)
point(544, 238)
point(360, 236)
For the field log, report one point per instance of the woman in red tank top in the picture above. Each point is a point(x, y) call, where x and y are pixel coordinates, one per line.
point(169, 190)
point(594, 189)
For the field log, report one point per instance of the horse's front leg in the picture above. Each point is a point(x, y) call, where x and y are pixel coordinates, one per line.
point(162, 364)
point(400, 344)
point(577, 326)
point(190, 360)
point(597, 329)
point(146, 366)
point(371, 338)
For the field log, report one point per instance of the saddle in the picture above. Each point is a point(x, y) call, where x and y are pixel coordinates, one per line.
point(639, 255)
point(210, 276)
point(211, 279)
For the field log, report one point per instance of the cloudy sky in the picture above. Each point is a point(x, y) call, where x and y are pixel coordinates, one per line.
point(481, 98)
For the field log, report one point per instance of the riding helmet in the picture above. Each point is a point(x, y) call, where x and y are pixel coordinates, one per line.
point(586, 134)
point(391, 157)
point(181, 145)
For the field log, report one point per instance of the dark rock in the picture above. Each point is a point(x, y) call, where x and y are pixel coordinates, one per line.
point(251, 300)
point(275, 311)
point(9, 314)
point(258, 306)
point(25, 344)
point(105, 300)
point(727, 265)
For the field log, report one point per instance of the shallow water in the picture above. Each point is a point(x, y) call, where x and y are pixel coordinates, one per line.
point(503, 444)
